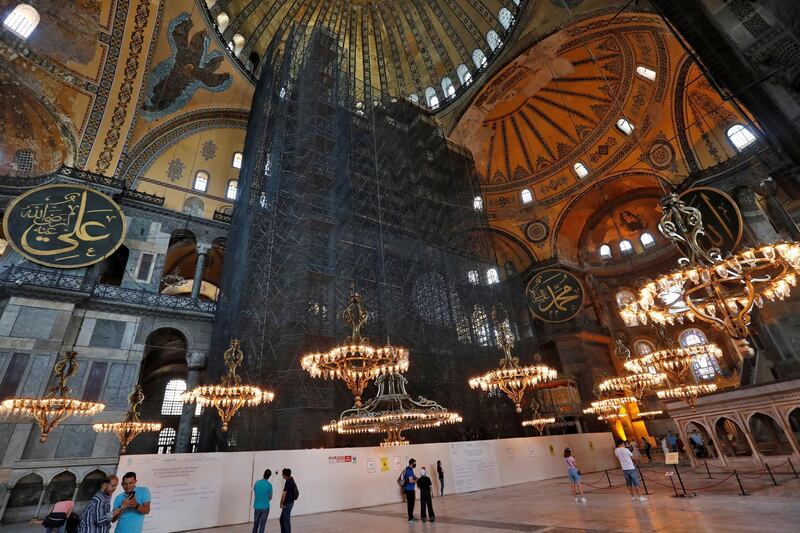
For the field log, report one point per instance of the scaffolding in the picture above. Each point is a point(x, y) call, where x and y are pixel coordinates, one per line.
point(340, 193)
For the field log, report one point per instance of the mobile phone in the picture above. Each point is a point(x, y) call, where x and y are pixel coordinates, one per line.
point(131, 494)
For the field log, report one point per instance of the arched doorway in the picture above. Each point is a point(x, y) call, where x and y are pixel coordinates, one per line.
point(794, 424)
point(88, 488)
point(700, 441)
point(731, 438)
point(60, 488)
point(23, 499)
point(768, 436)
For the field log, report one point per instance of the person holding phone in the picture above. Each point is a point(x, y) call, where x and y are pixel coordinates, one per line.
point(134, 502)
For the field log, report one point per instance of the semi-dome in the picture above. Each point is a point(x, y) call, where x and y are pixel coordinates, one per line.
point(426, 51)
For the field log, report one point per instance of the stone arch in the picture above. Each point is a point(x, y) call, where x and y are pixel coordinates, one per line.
point(90, 484)
point(768, 436)
point(732, 439)
point(24, 498)
point(700, 441)
point(60, 487)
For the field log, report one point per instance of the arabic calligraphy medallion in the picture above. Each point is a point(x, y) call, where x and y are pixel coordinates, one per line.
point(64, 226)
point(721, 218)
point(555, 295)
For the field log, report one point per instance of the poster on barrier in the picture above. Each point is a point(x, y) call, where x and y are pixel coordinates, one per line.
point(474, 465)
point(672, 458)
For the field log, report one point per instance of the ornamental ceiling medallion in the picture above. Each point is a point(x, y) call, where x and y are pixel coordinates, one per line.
point(64, 226)
point(555, 295)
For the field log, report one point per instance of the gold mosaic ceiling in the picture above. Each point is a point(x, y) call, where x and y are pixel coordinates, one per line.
point(401, 47)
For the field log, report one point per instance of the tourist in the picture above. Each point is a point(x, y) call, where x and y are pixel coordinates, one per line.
point(625, 458)
point(664, 446)
point(97, 515)
point(262, 494)
point(672, 440)
point(681, 448)
point(131, 519)
point(647, 449)
point(409, 488)
point(288, 497)
point(425, 497)
point(440, 471)
point(56, 519)
point(637, 455)
point(574, 476)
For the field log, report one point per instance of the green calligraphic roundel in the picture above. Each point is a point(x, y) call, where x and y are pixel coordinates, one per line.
point(721, 218)
point(64, 226)
point(555, 295)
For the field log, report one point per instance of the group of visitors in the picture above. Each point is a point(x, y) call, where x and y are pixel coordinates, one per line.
point(127, 511)
point(409, 481)
point(627, 462)
point(262, 495)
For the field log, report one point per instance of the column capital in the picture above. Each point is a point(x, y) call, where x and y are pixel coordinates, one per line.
point(767, 186)
point(196, 360)
point(202, 248)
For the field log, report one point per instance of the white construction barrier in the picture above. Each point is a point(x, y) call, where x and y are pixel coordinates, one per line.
point(204, 490)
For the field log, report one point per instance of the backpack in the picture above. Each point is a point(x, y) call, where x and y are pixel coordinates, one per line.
point(296, 492)
point(402, 479)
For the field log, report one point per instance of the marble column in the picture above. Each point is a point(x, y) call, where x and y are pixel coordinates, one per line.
point(5, 503)
point(776, 212)
point(200, 266)
point(41, 499)
point(196, 363)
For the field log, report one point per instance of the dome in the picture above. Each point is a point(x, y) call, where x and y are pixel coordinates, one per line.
point(400, 47)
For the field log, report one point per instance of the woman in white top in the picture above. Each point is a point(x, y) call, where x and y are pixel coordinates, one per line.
point(574, 476)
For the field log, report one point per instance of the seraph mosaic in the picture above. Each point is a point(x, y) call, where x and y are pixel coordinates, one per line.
point(190, 67)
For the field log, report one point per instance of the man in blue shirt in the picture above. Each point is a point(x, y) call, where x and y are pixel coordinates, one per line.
point(262, 494)
point(672, 440)
point(410, 488)
point(137, 500)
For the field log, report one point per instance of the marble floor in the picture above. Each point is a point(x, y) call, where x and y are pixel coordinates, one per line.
point(547, 506)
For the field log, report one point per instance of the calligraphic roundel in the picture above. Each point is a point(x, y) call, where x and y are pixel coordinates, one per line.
point(64, 226)
point(721, 217)
point(555, 295)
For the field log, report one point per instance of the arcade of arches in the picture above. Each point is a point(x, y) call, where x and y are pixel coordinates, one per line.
point(544, 134)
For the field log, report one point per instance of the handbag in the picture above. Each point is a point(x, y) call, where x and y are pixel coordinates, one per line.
point(55, 520)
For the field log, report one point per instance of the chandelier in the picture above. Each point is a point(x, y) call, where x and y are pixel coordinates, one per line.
point(230, 395)
point(511, 378)
point(56, 405)
point(676, 364)
point(612, 417)
point(392, 411)
point(132, 426)
point(636, 384)
point(356, 362)
point(649, 414)
point(607, 409)
point(539, 423)
point(174, 279)
point(716, 290)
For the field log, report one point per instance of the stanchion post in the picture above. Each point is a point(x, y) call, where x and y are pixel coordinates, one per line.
point(608, 478)
point(707, 470)
point(739, 481)
point(644, 483)
point(770, 475)
point(674, 488)
point(791, 465)
point(677, 472)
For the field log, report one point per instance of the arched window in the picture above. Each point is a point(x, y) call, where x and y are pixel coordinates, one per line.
point(580, 170)
point(624, 126)
point(624, 297)
point(526, 196)
point(642, 347)
point(431, 98)
point(200, 182)
point(493, 40)
point(646, 73)
point(732, 441)
point(166, 440)
point(237, 44)
point(647, 240)
point(480, 326)
point(463, 74)
point(479, 58)
point(447, 87)
point(625, 247)
point(237, 160)
point(172, 404)
point(222, 21)
point(414, 98)
point(516, 2)
point(506, 18)
point(473, 277)
point(704, 366)
point(605, 252)
point(477, 203)
point(233, 188)
point(768, 436)
point(193, 206)
point(22, 20)
point(492, 276)
point(741, 136)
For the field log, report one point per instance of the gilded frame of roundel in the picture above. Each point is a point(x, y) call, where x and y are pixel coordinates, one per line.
point(580, 304)
point(13, 204)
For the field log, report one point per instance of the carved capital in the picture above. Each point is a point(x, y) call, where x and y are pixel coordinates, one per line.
point(196, 360)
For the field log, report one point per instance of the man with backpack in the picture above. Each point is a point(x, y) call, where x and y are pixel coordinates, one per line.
point(408, 481)
point(288, 497)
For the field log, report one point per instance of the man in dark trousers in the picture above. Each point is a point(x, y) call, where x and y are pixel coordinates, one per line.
point(288, 497)
point(425, 497)
point(410, 488)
